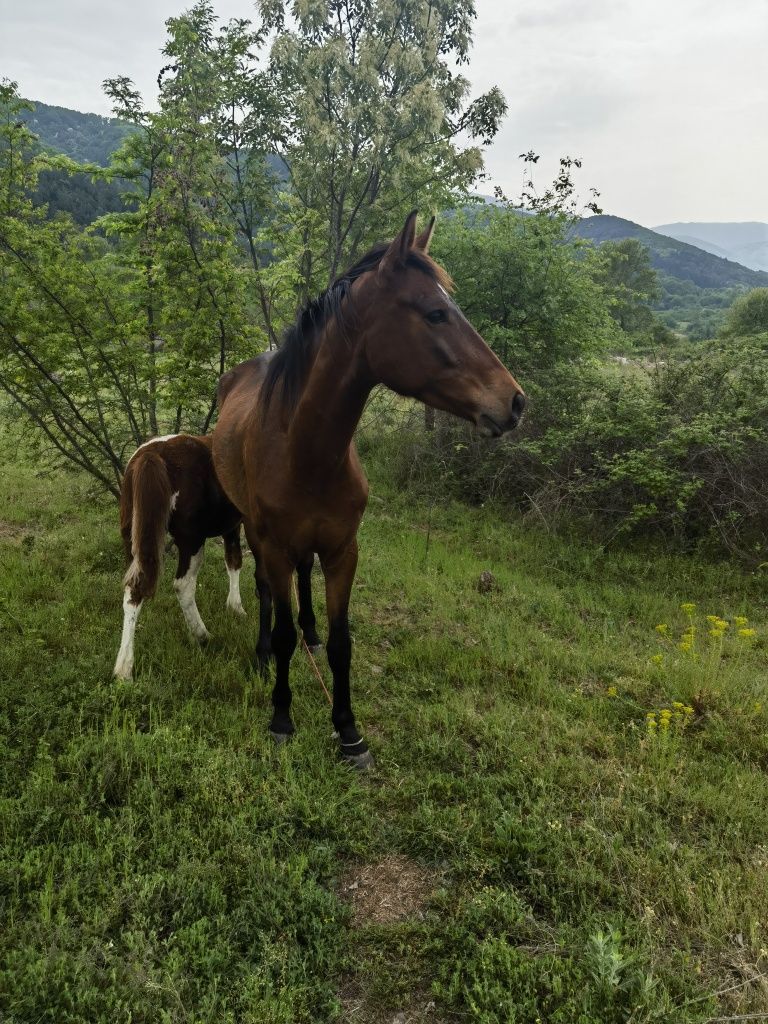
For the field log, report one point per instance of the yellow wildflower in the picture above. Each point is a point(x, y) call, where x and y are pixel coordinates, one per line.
point(664, 724)
point(758, 707)
point(612, 691)
point(716, 634)
point(747, 633)
point(688, 607)
point(740, 620)
point(657, 659)
point(665, 713)
point(662, 628)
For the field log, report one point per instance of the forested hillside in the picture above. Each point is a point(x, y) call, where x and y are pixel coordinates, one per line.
point(674, 258)
point(695, 287)
point(87, 138)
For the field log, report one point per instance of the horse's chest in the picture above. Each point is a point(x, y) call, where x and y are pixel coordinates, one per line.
point(304, 521)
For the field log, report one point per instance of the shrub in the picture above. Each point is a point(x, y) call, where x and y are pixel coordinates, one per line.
point(677, 449)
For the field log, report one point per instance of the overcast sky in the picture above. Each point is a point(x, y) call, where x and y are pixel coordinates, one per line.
point(666, 101)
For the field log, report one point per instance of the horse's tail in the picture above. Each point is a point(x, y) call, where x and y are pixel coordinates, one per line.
point(145, 508)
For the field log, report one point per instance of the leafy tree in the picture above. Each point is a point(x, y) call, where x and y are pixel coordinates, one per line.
point(370, 117)
point(748, 315)
point(524, 287)
point(103, 344)
point(625, 272)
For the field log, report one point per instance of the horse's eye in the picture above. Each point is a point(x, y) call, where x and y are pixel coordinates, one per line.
point(437, 316)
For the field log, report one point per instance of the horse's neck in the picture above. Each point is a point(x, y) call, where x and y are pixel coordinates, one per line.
point(329, 409)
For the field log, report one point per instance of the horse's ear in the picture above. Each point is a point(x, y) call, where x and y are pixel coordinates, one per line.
point(400, 246)
point(424, 240)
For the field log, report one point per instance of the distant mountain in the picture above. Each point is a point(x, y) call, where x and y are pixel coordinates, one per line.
point(673, 257)
point(88, 138)
point(746, 243)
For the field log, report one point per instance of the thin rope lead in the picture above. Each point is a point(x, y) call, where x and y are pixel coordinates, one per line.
point(312, 661)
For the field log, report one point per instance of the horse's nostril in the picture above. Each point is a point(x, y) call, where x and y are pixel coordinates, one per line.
point(518, 404)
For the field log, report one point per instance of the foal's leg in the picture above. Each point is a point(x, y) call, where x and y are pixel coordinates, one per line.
point(339, 575)
point(306, 611)
point(280, 573)
point(185, 585)
point(139, 583)
point(233, 556)
point(124, 664)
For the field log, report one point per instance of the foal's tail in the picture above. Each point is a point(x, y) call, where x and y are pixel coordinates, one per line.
point(145, 508)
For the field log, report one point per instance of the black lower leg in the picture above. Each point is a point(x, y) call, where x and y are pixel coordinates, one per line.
point(264, 643)
point(340, 659)
point(283, 646)
point(306, 611)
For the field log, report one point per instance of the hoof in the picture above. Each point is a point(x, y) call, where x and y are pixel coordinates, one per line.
point(360, 762)
point(204, 639)
point(237, 609)
point(280, 738)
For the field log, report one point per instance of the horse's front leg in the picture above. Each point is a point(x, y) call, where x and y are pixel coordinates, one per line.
point(307, 619)
point(280, 573)
point(339, 575)
point(264, 643)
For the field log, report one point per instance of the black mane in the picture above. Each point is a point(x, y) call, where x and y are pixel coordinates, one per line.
point(287, 370)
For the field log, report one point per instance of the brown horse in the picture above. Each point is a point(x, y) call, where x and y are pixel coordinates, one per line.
point(283, 447)
point(169, 485)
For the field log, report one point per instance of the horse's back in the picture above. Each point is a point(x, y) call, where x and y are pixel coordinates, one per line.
point(247, 376)
point(198, 502)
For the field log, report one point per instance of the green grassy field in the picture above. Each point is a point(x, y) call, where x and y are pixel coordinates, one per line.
point(529, 848)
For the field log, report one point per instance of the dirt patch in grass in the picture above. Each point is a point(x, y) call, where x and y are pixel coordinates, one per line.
point(356, 1009)
point(394, 889)
point(18, 533)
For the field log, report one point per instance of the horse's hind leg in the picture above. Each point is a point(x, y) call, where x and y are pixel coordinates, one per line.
point(233, 556)
point(124, 664)
point(306, 611)
point(185, 585)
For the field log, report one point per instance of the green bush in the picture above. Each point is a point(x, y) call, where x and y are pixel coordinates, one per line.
point(677, 449)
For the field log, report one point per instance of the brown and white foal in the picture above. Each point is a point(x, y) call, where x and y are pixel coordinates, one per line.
point(170, 485)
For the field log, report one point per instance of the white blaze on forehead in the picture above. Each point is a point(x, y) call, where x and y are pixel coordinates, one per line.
point(174, 500)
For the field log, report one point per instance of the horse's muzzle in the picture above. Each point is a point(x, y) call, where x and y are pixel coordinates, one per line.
point(495, 426)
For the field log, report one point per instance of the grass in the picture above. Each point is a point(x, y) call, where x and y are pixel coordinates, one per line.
point(160, 860)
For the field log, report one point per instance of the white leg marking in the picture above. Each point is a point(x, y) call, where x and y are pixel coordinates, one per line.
point(185, 591)
point(174, 499)
point(124, 664)
point(234, 603)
